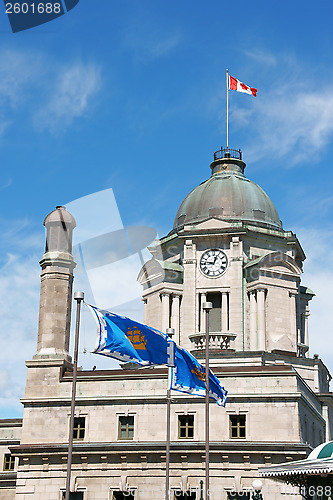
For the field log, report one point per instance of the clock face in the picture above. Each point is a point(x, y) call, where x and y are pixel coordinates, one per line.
point(213, 263)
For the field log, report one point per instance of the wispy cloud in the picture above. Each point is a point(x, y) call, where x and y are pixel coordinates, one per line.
point(65, 90)
point(148, 43)
point(18, 70)
point(21, 246)
point(297, 122)
point(69, 97)
point(19, 292)
point(319, 250)
point(261, 56)
point(291, 116)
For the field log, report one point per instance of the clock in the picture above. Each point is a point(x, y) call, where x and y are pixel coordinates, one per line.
point(213, 263)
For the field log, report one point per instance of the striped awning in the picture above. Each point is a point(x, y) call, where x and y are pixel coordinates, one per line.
point(300, 467)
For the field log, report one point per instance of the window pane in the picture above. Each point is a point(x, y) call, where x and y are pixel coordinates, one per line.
point(120, 495)
point(126, 427)
point(79, 427)
point(215, 315)
point(237, 426)
point(242, 432)
point(74, 496)
point(186, 426)
point(9, 462)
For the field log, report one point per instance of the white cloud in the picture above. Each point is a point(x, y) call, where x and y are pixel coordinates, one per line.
point(297, 123)
point(64, 90)
point(318, 275)
point(292, 116)
point(17, 71)
point(19, 294)
point(69, 97)
point(261, 56)
point(148, 44)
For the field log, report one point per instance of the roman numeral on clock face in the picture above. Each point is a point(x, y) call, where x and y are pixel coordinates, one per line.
point(213, 263)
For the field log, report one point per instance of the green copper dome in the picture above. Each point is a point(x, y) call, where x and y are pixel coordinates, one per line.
point(230, 196)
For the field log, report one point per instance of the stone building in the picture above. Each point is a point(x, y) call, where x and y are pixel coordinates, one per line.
point(227, 246)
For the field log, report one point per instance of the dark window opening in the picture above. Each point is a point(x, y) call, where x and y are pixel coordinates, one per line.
point(78, 495)
point(123, 495)
point(186, 426)
point(79, 428)
point(126, 427)
point(8, 462)
point(237, 426)
point(215, 315)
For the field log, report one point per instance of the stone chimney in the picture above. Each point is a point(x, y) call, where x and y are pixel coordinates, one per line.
point(56, 287)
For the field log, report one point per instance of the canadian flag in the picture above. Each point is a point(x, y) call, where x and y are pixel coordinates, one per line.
point(235, 84)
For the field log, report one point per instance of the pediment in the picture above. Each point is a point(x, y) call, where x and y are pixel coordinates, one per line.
point(213, 223)
point(277, 262)
point(157, 271)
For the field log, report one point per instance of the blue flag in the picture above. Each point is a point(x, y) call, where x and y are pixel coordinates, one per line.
point(188, 376)
point(127, 340)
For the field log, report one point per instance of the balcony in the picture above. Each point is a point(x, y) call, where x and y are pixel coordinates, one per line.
point(217, 341)
point(228, 153)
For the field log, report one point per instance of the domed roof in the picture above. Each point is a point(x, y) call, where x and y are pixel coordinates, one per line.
point(324, 450)
point(60, 215)
point(230, 196)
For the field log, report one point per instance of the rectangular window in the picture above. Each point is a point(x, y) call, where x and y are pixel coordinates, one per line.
point(215, 315)
point(126, 427)
point(8, 462)
point(78, 495)
point(123, 495)
point(237, 426)
point(79, 428)
point(232, 495)
point(186, 426)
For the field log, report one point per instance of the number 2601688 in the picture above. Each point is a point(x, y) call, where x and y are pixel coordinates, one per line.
point(33, 8)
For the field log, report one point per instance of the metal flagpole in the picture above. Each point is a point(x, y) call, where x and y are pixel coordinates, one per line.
point(170, 332)
point(167, 458)
point(227, 109)
point(78, 296)
point(207, 306)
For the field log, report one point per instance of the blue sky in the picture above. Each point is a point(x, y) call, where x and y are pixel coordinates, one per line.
point(131, 95)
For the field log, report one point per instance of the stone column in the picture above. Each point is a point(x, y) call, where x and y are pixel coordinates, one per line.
point(175, 315)
point(325, 414)
point(306, 328)
point(292, 312)
point(197, 313)
point(187, 317)
point(56, 287)
point(225, 312)
point(165, 311)
point(253, 321)
point(144, 300)
point(261, 321)
point(203, 297)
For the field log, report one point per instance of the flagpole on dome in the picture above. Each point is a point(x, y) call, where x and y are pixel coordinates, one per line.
point(207, 306)
point(79, 297)
point(227, 109)
point(170, 332)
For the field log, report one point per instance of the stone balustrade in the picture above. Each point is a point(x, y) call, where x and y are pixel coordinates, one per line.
point(217, 340)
